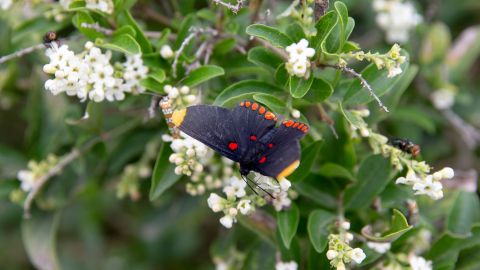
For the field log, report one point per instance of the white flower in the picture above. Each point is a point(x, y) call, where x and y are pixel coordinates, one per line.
point(244, 206)
point(215, 202)
point(419, 263)
point(97, 95)
point(28, 180)
point(348, 237)
point(227, 221)
point(298, 58)
point(409, 180)
point(101, 5)
point(299, 52)
point(340, 266)
point(443, 98)
point(429, 187)
point(345, 225)
point(379, 247)
point(5, 4)
point(281, 200)
point(357, 255)
point(394, 71)
point(332, 254)
point(296, 114)
point(166, 52)
point(396, 18)
point(284, 184)
point(236, 188)
point(291, 265)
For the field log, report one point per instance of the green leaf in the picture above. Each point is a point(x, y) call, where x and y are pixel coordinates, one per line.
point(318, 196)
point(270, 34)
point(125, 18)
point(281, 75)
point(378, 80)
point(464, 213)
point(287, 222)
point(295, 31)
point(398, 226)
point(242, 90)
point(468, 259)
point(126, 29)
point(319, 91)
point(123, 43)
point(307, 160)
point(338, 36)
point(299, 87)
point(415, 116)
point(184, 31)
point(264, 58)
point(224, 46)
point(158, 75)
point(152, 85)
point(449, 244)
point(38, 233)
point(163, 176)
point(373, 177)
point(202, 74)
point(332, 170)
point(272, 102)
point(83, 17)
point(77, 5)
point(317, 227)
point(324, 27)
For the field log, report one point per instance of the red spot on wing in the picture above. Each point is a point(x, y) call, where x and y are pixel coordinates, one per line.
point(253, 138)
point(262, 160)
point(233, 146)
point(270, 145)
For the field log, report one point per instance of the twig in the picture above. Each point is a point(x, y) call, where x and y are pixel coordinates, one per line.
point(327, 119)
point(321, 6)
point(233, 8)
point(67, 159)
point(95, 26)
point(280, 52)
point(363, 82)
point(193, 32)
point(22, 52)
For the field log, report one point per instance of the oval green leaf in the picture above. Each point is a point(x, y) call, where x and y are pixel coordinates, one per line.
point(202, 74)
point(242, 90)
point(317, 227)
point(264, 58)
point(287, 222)
point(163, 176)
point(270, 34)
point(398, 226)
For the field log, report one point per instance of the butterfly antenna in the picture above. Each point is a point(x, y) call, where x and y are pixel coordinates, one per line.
point(257, 185)
point(248, 184)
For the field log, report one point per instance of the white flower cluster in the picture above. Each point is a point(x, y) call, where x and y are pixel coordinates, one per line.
point(280, 191)
point(29, 178)
point(419, 263)
point(298, 58)
point(90, 75)
point(291, 265)
point(339, 251)
point(230, 207)
point(181, 97)
point(396, 18)
point(379, 247)
point(429, 184)
point(100, 5)
point(5, 4)
point(187, 155)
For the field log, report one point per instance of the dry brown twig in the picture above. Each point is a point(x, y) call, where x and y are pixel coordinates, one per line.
point(233, 8)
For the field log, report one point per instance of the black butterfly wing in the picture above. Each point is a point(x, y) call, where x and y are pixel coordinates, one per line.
point(282, 153)
point(232, 133)
point(211, 125)
point(252, 122)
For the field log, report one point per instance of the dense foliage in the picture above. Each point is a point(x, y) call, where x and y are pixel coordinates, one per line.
point(92, 176)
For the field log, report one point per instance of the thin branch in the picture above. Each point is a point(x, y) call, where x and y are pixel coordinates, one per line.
point(327, 119)
point(67, 159)
point(21, 53)
point(95, 26)
point(363, 82)
point(233, 8)
point(193, 33)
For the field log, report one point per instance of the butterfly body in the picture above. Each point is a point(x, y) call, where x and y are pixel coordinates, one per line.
point(247, 134)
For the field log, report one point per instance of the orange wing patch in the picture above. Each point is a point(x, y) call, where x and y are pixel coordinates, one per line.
point(261, 110)
point(300, 126)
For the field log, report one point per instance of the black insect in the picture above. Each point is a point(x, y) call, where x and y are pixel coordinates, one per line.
point(406, 146)
point(247, 134)
point(50, 37)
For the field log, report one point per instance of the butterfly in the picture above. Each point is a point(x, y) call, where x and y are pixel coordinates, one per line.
point(247, 134)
